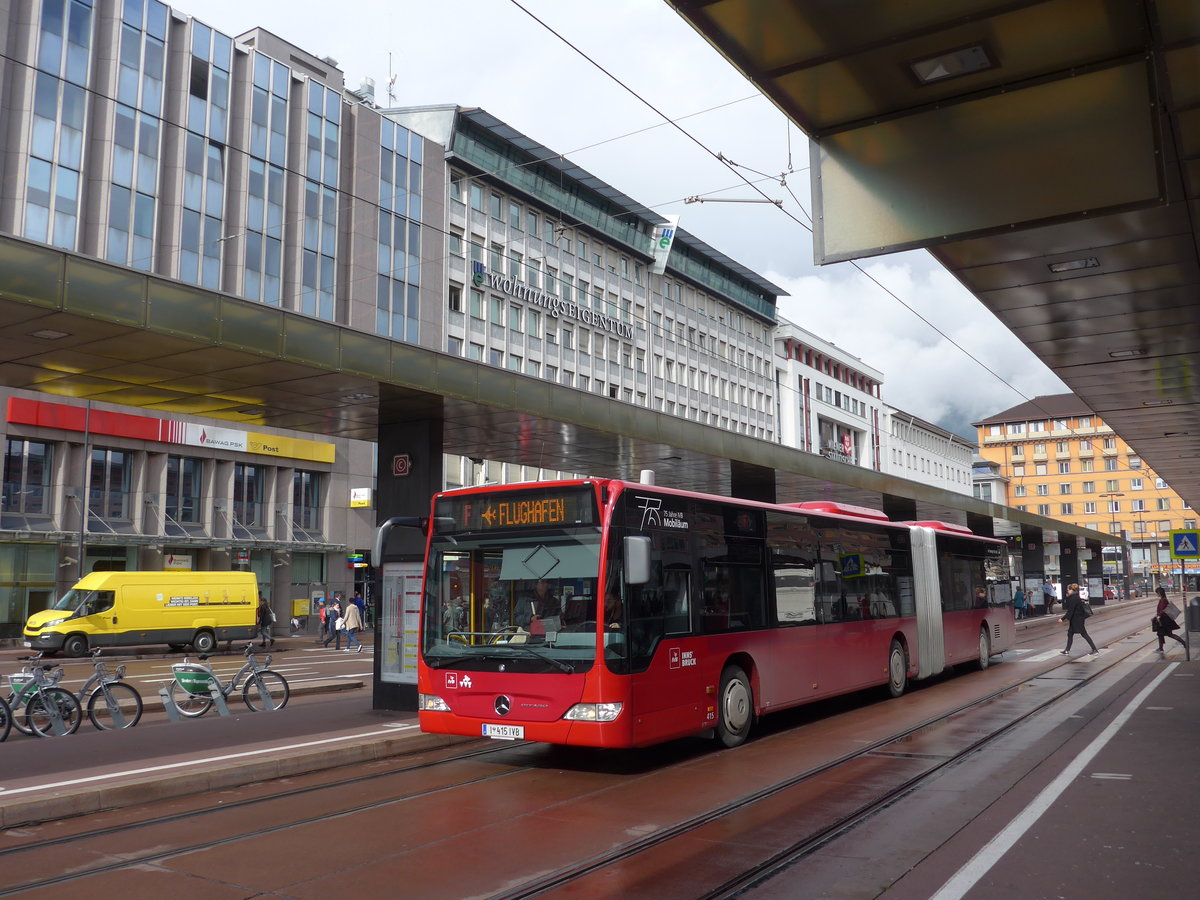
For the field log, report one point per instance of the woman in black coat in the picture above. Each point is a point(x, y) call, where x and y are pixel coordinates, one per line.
point(1074, 614)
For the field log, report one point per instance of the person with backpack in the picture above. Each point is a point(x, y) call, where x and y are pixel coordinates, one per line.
point(265, 619)
point(335, 624)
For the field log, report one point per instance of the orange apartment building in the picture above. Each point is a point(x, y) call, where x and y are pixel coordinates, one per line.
point(1060, 460)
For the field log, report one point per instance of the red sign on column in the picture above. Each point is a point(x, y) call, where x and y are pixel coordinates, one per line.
point(401, 464)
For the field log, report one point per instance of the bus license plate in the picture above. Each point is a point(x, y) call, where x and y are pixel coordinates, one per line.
point(28, 645)
point(504, 732)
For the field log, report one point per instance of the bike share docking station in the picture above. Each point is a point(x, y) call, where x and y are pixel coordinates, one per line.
point(198, 682)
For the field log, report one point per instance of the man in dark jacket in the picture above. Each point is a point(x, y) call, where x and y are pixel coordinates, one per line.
point(1075, 613)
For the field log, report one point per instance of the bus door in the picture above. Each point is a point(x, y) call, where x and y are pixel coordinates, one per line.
point(667, 695)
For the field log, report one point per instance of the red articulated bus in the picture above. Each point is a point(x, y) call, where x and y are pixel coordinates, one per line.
point(607, 613)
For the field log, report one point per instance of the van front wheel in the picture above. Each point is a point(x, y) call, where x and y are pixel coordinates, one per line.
point(204, 642)
point(76, 645)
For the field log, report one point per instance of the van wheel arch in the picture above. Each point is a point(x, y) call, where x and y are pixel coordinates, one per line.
point(204, 641)
point(76, 645)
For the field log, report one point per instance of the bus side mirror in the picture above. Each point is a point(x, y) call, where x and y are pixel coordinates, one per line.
point(637, 559)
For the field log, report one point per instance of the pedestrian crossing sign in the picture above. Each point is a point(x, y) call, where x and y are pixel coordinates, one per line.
point(1185, 545)
point(852, 565)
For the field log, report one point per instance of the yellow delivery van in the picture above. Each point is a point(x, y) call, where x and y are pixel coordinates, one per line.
point(117, 609)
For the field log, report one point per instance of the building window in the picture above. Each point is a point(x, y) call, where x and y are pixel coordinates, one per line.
point(1164, 503)
point(454, 298)
point(1065, 487)
point(184, 479)
point(1043, 509)
point(1110, 465)
point(108, 488)
point(248, 484)
point(27, 467)
point(1064, 468)
point(1089, 487)
point(306, 500)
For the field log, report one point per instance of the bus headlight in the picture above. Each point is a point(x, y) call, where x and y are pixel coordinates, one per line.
point(431, 703)
point(593, 712)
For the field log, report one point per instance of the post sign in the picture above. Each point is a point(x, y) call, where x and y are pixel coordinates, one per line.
point(1185, 544)
point(401, 464)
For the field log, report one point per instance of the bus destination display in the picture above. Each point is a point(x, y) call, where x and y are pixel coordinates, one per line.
point(491, 512)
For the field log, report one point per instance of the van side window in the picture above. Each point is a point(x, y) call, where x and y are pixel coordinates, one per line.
point(98, 602)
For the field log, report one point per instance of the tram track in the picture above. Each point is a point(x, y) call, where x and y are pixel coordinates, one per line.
point(12, 855)
point(778, 861)
point(577, 873)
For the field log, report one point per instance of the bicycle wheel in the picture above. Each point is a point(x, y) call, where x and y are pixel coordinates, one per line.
point(7, 715)
point(121, 708)
point(266, 690)
point(15, 704)
point(191, 705)
point(41, 709)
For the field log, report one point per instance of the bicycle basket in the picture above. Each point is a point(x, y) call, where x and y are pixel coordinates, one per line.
point(18, 681)
point(193, 678)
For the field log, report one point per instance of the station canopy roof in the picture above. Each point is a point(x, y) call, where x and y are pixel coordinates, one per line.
point(1046, 153)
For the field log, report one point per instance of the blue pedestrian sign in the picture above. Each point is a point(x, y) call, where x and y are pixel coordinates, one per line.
point(1185, 545)
point(852, 565)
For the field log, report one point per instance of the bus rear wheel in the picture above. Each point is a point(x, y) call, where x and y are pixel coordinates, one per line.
point(735, 707)
point(985, 649)
point(897, 669)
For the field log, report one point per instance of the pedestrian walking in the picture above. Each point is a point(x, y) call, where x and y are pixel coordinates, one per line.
point(1164, 626)
point(322, 613)
point(333, 615)
point(1019, 603)
point(1075, 613)
point(265, 619)
point(353, 625)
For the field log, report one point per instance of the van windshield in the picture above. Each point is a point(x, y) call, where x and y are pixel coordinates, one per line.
point(70, 600)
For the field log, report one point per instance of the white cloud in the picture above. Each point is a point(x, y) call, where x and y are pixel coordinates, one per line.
point(973, 368)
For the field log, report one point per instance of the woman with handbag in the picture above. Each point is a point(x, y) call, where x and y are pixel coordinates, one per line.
point(1164, 626)
point(1075, 613)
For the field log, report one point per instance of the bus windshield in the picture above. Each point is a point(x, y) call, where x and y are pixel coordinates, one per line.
point(519, 602)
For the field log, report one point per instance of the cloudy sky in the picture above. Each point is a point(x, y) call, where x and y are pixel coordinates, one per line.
point(595, 86)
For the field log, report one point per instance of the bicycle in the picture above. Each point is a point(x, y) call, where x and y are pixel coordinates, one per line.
point(262, 689)
point(110, 702)
point(7, 716)
point(50, 710)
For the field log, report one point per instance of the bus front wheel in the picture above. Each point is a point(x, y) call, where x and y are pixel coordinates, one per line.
point(897, 669)
point(735, 707)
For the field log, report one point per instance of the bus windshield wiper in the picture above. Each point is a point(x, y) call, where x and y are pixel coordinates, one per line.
point(557, 663)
